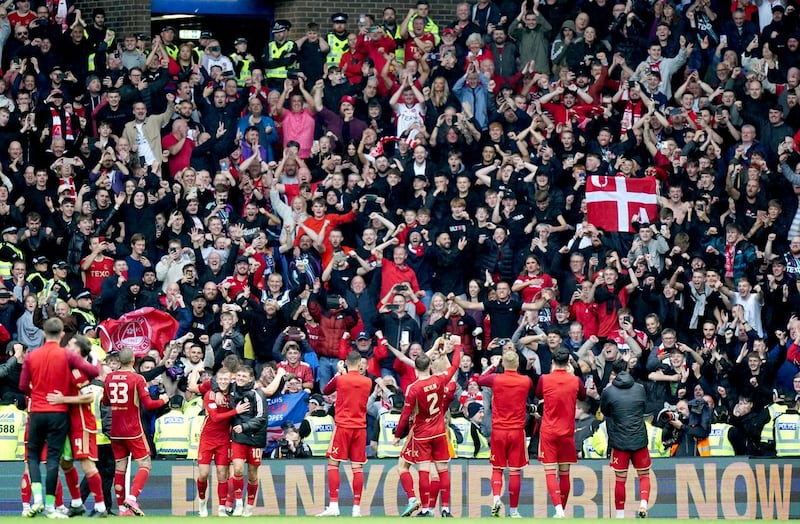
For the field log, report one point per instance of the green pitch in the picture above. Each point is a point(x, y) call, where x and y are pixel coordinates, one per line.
point(314, 520)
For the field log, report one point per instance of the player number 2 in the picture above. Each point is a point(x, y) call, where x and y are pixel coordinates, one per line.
point(118, 392)
point(433, 402)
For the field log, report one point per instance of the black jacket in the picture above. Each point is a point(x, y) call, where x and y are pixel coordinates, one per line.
point(623, 404)
point(253, 421)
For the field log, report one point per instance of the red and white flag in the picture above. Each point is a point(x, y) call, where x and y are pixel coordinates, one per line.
point(612, 202)
point(141, 330)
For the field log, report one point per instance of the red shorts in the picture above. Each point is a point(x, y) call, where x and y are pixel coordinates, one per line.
point(348, 444)
point(138, 448)
point(250, 454)
point(557, 450)
point(508, 448)
point(84, 443)
point(433, 449)
point(620, 459)
point(219, 453)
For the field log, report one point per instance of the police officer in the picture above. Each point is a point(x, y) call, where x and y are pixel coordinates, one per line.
point(475, 444)
point(40, 275)
point(280, 55)
point(337, 39)
point(243, 62)
point(168, 39)
point(316, 429)
point(787, 434)
point(719, 442)
point(82, 313)
point(9, 252)
point(171, 436)
point(387, 421)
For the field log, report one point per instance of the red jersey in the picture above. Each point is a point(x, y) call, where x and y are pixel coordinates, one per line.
point(607, 313)
point(535, 286)
point(46, 369)
point(97, 272)
point(126, 392)
point(217, 427)
point(560, 392)
point(425, 400)
point(81, 415)
point(302, 371)
point(510, 393)
point(352, 393)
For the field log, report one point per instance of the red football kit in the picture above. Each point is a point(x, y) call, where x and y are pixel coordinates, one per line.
point(509, 414)
point(349, 440)
point(560, 392)
point(126, 392)
point(215, 437)
point(427, 440)
point(82, 424)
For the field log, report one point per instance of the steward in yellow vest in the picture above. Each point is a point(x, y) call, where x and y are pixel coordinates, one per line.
point(768, 431)
point(596, 446)
point(12, 430)
point(9, 252)
point(316, 429)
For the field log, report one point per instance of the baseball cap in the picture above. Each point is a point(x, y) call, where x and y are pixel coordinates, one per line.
point(347, 99)
point(449, 31)
point(40, 260)
point(363, 335)
point(59, 264)
point(242, 260)
point(206, 34)
point(316, 397)
point(240, 40)
point(168, 28)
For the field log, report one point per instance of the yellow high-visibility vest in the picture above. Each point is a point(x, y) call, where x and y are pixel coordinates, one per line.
point(718, 443)
point(321, 434)
point(768, 431)
point(12, 432)
point(171, 436)
point(787, 435)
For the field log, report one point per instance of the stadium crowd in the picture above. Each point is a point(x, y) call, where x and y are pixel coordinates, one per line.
point(376, 184)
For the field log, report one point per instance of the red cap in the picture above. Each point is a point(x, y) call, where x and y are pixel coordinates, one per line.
point(347, 99)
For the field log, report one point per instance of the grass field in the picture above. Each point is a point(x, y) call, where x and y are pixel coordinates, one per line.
point(312, 520)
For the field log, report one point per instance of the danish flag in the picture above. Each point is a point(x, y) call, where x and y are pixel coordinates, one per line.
point(612, 202)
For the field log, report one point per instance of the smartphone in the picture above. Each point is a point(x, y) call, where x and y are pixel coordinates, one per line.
point(589, 383)
point(631, 84)
point(723, 40)
point(393, 307)
point(401, 287)
point(405, 337)
point(370, 198)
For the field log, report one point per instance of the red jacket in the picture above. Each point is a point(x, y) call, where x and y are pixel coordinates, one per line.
point(332, 325)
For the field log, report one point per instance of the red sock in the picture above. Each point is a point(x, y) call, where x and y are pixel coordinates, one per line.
point(222, 493)
point(334, 479)
point(59, 493)
point(553, 488)
point(252, 490)
point(444, 487)
point(238, 487)
point(25, 488)
point(424, 486)
point(358, 485)
point(433, 493)
point(73, 482)
point(564, 486)
point(644, 486)
point(408, 484)
point(202, 487)
point(231, 489)
point(514, 485)
point(96, 486)
point(497, 482)
point(139, 480)
point(619, 493)
point(119, 487)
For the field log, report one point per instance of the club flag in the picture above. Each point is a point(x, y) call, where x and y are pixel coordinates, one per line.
point(141, 330)
point(613, 202)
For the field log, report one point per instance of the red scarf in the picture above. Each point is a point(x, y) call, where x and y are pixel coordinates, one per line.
point(62, 129)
